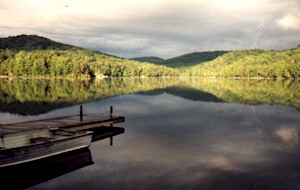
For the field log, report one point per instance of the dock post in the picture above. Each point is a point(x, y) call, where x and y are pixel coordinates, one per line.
point(81, 113)
point(111, 112)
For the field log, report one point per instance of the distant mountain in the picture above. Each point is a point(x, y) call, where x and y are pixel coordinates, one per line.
point(193, 58)
point(31, 42)
point(155, 60)
point(190, 59)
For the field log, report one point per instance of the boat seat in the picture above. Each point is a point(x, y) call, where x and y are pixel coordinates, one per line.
point(40, 139)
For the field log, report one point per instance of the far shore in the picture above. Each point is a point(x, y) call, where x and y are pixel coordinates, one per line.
point(141, 77)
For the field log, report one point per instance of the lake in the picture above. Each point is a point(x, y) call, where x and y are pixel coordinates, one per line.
point(180, 133)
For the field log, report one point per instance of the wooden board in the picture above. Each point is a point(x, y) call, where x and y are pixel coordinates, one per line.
point(66, 122)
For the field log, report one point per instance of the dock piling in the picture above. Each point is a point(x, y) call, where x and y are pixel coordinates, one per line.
point(81, 113)
point(111, 141)
point(111, 111)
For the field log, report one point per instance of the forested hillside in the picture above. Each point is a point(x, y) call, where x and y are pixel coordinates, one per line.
point(251, 63)
point(31, 42)
point(183, 60)
point(193, 59)
point(37, 56)
point(155, 60)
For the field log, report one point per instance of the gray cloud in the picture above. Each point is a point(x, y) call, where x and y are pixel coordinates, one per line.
point(166, 29)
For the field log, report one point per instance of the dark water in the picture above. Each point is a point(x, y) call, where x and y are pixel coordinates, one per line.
point(175, 142)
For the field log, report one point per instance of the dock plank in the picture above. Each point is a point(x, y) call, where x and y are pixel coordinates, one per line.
point(66, 122)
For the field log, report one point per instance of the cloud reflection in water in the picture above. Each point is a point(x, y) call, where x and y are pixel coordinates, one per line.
point(173, 143)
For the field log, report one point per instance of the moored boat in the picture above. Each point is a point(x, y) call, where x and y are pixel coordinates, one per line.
point(17, 148)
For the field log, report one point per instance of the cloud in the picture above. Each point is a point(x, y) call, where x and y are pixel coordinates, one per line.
point(288, 19)
point(160, 28)
point(288, 135)
point(290, 22)
point(222, 163)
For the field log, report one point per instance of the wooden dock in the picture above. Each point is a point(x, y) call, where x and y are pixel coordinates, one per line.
point(71, 123)
point(59, 136)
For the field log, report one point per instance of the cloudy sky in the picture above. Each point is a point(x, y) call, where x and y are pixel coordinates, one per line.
point(163, 28)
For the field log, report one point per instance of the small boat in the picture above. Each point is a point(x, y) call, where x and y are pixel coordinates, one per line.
point(17, 148)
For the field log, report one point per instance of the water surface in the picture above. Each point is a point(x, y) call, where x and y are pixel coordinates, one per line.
point(192, 135)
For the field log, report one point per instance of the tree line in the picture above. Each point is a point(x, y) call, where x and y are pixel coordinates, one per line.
point(35, 56)
point(75, 62)
point(251, 63)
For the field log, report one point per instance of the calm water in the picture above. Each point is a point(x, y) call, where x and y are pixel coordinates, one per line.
point(179, 137)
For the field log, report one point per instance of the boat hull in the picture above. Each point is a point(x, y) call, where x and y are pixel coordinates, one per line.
point(35, 151)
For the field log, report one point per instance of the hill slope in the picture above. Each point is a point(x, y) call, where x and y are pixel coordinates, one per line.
point(30, 42)
point(183, 60)
point(155, 60)
point(193, 58)
point(37, 56)
point(251, 63)
point(29, 55)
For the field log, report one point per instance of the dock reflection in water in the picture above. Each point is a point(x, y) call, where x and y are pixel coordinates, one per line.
point(106, 132)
